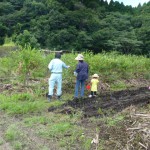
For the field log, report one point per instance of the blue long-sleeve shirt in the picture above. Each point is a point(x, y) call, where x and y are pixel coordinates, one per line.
point(56, 65)
point(82, 70)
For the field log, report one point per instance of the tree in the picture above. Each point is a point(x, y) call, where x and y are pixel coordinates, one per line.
point(77, 24)
point(26, 38)
point(3, 32)
point(62, 39)
point(6, 8)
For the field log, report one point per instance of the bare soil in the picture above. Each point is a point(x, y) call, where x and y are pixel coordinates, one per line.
point(112, 101)
point(132, 133)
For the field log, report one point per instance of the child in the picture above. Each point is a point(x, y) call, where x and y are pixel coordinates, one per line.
point(94, 83)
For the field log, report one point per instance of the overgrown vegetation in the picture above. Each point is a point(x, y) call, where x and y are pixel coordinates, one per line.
point(112, 68)
point(24, 107)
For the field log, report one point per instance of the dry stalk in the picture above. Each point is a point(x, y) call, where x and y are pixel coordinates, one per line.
point(142, 145)
point(140, 128)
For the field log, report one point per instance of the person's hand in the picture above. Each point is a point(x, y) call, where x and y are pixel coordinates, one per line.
point(75, 73)
point(68, 66)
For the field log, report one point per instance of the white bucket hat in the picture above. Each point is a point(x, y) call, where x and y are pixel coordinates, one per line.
point(79, 57)
point(95, 76)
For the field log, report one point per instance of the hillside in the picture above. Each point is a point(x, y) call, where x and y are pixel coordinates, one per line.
point(76, 25)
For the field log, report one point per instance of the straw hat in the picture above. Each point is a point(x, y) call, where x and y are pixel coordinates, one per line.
point(79, 57)
point(95, 76)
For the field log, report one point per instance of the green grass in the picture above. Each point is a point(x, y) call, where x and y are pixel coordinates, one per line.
point(113, 121)
point(25, 103)
point(57, 127)
point(45, 126)
point(21, 104)
point(8, 42)
point(64, 132)
point(1, 141)
point(17, 145)
point(118, 85)
point(12, 133)
point(110, 66)
point(35, 120)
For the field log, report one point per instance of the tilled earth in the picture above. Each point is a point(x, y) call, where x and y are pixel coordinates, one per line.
point(113, 101)
point(131, 133)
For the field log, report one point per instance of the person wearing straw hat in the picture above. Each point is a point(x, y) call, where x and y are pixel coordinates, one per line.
point(81, 74)
point(56, 67)
point(94, 83)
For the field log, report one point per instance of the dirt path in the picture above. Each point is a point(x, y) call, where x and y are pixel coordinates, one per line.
point(121, 136)
point(26, 136)
point(113, 101)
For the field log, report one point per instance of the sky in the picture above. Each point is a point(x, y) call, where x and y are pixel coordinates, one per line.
point(133, 3)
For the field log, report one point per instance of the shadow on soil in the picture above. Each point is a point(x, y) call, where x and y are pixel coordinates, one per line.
point(114, 101)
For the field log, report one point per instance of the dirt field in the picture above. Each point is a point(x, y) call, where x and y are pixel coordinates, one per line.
point(115, 101)
point(131, 134)
point(118, 120)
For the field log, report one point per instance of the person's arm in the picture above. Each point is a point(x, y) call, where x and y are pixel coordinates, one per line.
point(50, 65)
point(76, 71)
point(65, 66)
point(77, 68)
point(97, 81)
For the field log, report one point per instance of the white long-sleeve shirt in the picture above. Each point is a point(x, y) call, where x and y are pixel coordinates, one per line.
point(56, 65)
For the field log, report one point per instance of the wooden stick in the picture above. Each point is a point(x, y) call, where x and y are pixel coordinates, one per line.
point(143, 145)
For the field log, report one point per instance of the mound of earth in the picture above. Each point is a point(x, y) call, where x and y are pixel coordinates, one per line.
point(108, 102)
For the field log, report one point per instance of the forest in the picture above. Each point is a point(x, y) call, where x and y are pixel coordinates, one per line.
point(79, 25)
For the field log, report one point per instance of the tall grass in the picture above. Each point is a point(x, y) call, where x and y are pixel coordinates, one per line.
point(110, 66)
point(9, 42)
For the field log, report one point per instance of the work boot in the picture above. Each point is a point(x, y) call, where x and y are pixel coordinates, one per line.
point(49, 98)
point(75, 98)
point(59, 97)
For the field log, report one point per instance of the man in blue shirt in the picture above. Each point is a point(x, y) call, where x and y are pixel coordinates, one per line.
point(56, 67)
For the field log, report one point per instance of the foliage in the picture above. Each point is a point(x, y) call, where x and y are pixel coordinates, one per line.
point(114, 121)
point(12, 133)
point(111, 67)
point(79, 25)
point(28, 106)
point(7, 65)
point(20, 104)
point(26, 38)
point(29, 61)
point(3, 30)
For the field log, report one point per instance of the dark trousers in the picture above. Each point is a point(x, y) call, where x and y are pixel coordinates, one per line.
point(93, 93)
